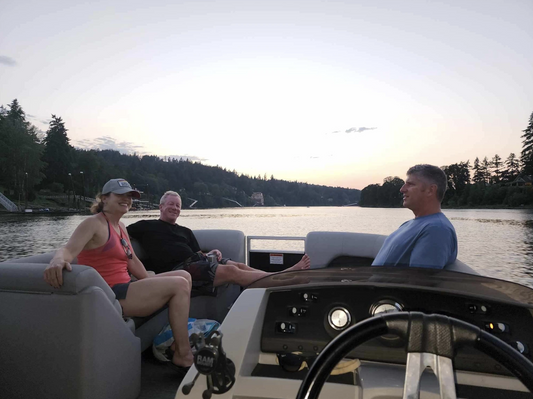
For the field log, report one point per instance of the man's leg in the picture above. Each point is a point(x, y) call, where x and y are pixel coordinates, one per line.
point(232, 274)
point(146, 296)
point(303, 264)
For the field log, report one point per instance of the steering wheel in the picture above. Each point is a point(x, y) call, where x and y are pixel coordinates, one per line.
point(431, 341)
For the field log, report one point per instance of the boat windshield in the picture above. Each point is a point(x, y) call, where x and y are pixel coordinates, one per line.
point(420, 278)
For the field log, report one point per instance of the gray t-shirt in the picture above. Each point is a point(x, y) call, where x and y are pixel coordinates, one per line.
point(427, 241)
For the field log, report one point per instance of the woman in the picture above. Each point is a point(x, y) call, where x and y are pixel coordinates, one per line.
point(101, 241)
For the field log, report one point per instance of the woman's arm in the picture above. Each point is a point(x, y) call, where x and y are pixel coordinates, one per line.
point(53, 274)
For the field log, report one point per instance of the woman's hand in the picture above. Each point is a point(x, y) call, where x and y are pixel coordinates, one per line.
point(53, 274)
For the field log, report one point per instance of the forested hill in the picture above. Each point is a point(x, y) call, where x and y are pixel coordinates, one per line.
point(212, 186)
point(31, 165)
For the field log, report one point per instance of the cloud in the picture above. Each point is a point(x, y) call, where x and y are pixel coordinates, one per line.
point(359, 129)
point(354, 130)
point(43, 121)
point(110, 143)
point(7, 61)
point(125, 147)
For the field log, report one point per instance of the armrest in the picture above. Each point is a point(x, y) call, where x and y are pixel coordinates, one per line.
point(28, 277)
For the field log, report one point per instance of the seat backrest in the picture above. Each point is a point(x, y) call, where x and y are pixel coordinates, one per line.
point(324, 246)
point(49, 336)
point(230, 242)
point(461, 267)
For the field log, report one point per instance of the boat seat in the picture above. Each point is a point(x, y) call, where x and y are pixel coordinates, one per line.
point(69, 342)
point(232, 245)
point(72, 342)
point(323, 247)
point(327, 248)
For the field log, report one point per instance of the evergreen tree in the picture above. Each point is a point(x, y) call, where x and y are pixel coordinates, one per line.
point(486, 170)
point(16, 113)
point(20, 151)
point(496, 165)
point(479, 173)
point(57, 153)
point(512, 168)
point(527, 148)
point(458, 180)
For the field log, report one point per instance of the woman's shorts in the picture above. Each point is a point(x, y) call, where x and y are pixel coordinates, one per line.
point(121, 290)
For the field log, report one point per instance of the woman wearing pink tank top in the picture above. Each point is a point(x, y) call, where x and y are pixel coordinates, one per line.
point(101, 241)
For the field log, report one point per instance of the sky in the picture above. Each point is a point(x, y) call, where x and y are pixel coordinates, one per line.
point(340, 93)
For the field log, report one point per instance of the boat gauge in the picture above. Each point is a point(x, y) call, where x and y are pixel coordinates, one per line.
point(385, 306)
point(339, 318)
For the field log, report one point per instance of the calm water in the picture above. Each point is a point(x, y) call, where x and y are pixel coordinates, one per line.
point(498, 243)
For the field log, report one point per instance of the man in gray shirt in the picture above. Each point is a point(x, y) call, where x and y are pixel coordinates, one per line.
point(428, 240)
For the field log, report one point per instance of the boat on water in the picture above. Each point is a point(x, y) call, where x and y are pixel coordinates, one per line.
point(341, 329)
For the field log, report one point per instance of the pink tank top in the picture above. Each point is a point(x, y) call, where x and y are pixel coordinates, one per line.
point(109, 260)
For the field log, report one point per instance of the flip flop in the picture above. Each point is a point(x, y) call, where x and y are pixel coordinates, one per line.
point(180, 370)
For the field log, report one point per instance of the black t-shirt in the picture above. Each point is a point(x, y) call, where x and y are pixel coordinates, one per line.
point(166, 245)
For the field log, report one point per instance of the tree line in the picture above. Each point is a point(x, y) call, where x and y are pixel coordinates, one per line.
point(495, 182)
point(33, 163)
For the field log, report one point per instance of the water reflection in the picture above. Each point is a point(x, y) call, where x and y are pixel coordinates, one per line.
point(498, 243)
point(526, 223)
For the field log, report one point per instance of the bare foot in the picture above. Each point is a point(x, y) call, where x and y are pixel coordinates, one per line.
point(183, 361)
point(303, 264)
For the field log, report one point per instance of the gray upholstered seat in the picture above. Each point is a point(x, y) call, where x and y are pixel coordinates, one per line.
point(325, 246)
point(72, 342)
point(64, 343)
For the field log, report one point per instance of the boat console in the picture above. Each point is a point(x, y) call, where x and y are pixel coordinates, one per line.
point(299, 313)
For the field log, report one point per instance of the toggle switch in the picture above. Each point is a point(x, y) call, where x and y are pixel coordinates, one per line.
point(497, 328)
point(285, 327)
point(297, 311)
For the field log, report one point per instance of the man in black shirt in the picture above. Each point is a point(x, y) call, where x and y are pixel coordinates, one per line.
point(170, 246)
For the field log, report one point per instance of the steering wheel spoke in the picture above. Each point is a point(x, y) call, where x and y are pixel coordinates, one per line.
point(441, 366)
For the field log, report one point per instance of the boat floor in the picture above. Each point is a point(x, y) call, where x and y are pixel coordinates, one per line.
point(157, 380)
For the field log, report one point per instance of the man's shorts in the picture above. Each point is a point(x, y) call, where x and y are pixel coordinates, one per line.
point(202, 272)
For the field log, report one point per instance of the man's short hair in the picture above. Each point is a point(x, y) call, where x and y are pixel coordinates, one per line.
point(434, 175)
point(167, 194)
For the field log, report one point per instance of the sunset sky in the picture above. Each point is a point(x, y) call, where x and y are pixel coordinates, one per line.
point(328, 92)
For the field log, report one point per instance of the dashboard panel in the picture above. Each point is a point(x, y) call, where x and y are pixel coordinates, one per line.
point(304, 319)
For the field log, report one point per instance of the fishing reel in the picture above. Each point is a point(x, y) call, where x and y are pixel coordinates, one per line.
point(211, 361)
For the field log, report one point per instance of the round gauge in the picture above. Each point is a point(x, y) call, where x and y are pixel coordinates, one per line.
point(339, 318)
point(386, 306)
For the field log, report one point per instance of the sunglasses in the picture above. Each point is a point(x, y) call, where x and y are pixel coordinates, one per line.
point(293, 362)
point(126, 248)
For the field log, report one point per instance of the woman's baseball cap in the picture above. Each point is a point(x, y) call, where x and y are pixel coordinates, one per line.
point(120, 186)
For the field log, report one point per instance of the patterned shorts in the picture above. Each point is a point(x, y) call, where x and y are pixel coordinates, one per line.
point(202, 272)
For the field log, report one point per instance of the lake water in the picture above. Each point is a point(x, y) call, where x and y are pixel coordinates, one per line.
point(498, 243)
